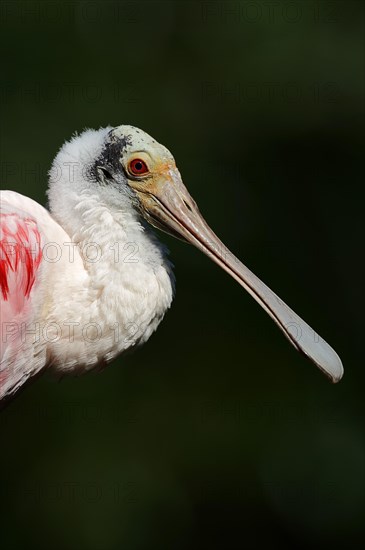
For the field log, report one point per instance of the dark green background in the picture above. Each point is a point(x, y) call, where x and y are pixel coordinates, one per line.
point(216, 434)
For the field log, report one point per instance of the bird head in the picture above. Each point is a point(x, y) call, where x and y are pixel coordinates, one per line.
point(146, 171)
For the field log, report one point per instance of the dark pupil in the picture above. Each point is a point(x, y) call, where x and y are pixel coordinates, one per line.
point(138, 166)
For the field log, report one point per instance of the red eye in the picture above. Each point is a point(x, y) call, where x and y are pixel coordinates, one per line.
point(137, 167)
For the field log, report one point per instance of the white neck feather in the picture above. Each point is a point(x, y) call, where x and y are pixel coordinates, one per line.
point(129, 279)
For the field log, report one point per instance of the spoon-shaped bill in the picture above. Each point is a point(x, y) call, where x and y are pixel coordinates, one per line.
point(170, 208)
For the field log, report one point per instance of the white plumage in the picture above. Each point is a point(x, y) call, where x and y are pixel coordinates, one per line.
point(86, 281)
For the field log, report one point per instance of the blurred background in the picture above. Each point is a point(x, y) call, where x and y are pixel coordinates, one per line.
point(216, 434)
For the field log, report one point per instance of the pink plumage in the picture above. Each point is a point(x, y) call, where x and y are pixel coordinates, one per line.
point(20, 260)
point(20, 257)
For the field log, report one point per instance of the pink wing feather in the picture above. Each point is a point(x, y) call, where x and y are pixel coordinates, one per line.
point(20, 257)
point(20, 268)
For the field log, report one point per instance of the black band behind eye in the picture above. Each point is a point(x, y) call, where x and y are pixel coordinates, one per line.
point(106, 173)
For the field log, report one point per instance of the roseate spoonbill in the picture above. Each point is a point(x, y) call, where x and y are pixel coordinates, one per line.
point(87, 280)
